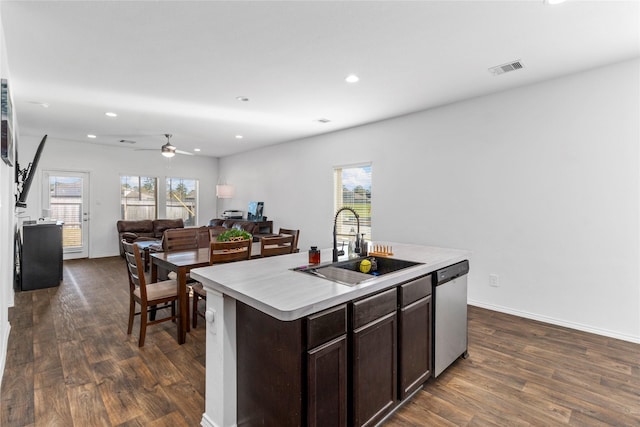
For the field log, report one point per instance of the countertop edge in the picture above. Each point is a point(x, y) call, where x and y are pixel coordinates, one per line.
point(213, 278)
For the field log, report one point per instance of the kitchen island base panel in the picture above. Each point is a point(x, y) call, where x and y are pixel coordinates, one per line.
point(269, 353)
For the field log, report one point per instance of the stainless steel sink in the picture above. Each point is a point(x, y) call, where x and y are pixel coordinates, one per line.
point(348, 272)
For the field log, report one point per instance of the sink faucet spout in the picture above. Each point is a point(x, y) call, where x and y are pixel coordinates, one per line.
point(335, 234)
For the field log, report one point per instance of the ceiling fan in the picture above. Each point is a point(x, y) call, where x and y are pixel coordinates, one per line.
point(169, 150)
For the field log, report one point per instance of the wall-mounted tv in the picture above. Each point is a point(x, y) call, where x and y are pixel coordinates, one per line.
point(254, 213)
point(6, 113)
point(24, 177)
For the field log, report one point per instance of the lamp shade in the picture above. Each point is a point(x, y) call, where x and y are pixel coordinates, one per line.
point(224, 191)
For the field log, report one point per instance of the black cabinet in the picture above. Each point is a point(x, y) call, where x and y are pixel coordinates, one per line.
point(41, 256)
point(327, 368)
point(374, 381)
point(414, 337)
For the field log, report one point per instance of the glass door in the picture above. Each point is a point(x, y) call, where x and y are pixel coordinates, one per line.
point(66, 196)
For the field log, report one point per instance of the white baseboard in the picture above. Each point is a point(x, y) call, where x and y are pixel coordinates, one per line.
point(5, 346)
point(557, 322)
point(208, 422)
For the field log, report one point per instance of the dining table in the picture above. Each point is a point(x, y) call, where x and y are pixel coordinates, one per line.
point(182, 262)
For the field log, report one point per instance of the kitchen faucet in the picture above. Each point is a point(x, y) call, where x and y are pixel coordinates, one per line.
point(335, 238)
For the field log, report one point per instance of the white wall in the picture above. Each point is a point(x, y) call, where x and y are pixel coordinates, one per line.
point(6, 234)
point(105, 164)
point(541, 183)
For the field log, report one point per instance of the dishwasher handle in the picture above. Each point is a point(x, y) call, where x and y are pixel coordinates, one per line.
point(452, 272)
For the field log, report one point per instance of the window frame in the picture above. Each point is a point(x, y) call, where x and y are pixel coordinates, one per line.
point(343, 223)
point(168, 208)
point(123, 206)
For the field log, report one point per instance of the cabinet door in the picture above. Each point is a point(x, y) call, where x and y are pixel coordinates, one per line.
point(414, 345)
point(374, 370)
point(327, 384)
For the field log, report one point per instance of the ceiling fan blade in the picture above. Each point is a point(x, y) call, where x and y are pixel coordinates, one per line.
point(184, 152)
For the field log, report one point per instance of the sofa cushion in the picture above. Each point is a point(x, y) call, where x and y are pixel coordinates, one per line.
point(160, 225)
point(216, 222)
point(137, 227)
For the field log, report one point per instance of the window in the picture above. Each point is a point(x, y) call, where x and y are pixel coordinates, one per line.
point(138, 197)
point(65, 204)
point(182, 198)
point(353, 190)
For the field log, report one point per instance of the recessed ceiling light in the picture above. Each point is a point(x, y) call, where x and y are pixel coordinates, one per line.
point(91, 136)
point(239, 136)
point(352, 78)
point(242, 98)
point(552, 2)
point(196, 149)
point(110, 114)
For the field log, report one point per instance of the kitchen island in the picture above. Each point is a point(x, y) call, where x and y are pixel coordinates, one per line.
point(270, 329)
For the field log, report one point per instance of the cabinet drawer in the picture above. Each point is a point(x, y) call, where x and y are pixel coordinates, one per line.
point(326, 325)
point(374, 307)
point(414, 290)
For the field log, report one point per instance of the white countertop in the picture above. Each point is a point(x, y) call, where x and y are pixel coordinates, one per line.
point(269, 284)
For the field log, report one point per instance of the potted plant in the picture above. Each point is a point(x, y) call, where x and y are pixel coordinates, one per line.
point(234, 235)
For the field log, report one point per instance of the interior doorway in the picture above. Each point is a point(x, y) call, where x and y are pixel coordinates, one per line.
point(66, 198)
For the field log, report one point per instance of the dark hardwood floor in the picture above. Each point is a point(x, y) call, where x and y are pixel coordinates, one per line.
point(70, 363)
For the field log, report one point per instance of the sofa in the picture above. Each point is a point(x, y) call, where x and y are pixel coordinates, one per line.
point(146, 229)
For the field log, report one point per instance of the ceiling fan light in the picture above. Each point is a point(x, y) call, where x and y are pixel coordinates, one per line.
point(168, 150)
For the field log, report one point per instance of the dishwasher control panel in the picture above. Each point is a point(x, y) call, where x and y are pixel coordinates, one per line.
point(451, 272)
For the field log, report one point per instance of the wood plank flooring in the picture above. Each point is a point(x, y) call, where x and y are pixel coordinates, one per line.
point(70, 363)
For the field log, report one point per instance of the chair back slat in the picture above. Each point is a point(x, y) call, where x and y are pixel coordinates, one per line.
point(180, 239)
point(278, 245)
point(294, 233)
point(229, 251)
point(135, 268)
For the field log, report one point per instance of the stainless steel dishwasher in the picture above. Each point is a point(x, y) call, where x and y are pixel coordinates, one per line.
point(450, 315)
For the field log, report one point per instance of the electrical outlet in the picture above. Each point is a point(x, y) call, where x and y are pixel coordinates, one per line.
point(494, 280)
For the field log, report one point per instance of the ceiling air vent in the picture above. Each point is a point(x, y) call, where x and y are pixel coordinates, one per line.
point(505, 68)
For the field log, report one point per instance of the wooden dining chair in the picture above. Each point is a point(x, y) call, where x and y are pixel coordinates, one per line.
point(295, 234)
point(150, 296)
point(278, 245)
point(220, 252)
point(181, 239)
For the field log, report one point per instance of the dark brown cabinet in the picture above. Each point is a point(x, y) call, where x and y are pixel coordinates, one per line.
point(349, 365)
point(327, 384)
point(291, 373)
point(414, 337)
point(374, 380)
point(327, 368)
point(269, 368)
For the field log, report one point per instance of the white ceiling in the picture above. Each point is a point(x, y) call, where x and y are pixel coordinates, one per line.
point(177, 66)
